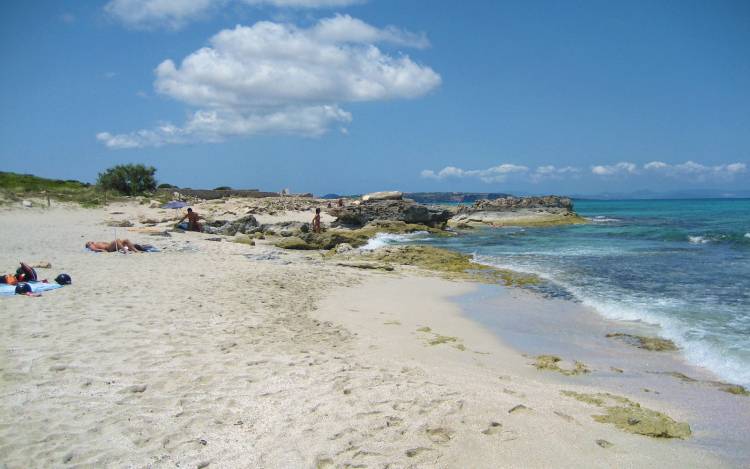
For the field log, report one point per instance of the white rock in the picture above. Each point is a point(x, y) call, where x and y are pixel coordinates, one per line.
point(385, 195)
point(26, 203)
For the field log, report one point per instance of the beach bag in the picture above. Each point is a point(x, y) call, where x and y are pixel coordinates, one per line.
point(63, 279)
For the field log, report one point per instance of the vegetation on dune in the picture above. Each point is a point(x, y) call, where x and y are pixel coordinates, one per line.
point(128, 179)
point(15, 187)
point(121, 180)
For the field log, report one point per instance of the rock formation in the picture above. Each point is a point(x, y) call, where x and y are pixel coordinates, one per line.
point(523, 211)
point(406, 211)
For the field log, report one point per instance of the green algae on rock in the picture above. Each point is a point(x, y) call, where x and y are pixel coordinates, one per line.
point(631, 417)
point(552, 363)
point(722, 386)
point(294, 242)
point(653, 344)
point(450, 264)
point(734, 389)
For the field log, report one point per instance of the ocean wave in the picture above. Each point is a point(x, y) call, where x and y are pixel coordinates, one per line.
point(698, 240)
point(747, 235)
point(603, 219)
point(384, 239)
point(708, 354)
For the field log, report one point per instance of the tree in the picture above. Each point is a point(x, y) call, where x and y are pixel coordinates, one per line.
point(128, 179)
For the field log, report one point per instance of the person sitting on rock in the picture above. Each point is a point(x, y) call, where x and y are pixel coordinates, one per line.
point(316, 221)
point(192, 217)
point(113, 246)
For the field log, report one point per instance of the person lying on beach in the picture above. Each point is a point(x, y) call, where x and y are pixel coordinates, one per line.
point(192, 217)
point(316, 221)
point(25, 273)
point(113, 246)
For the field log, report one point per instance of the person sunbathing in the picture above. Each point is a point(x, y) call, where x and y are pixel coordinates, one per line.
point(113, 246)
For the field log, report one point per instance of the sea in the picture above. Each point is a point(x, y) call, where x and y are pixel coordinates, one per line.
point(682, 266)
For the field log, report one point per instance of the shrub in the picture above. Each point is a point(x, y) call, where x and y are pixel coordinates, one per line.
point(223, 188)
point(166, 186)
point(128, 179)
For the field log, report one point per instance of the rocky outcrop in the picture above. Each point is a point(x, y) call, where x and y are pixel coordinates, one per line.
point(406, 211)
point(517, 211)
point(246, 225)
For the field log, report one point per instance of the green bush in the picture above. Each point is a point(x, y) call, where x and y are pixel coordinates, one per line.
point(128, 179)
point(223, 188)
point(166, 186)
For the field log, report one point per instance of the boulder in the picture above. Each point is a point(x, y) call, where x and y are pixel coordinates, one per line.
point(385, 195)
point(245, 225)
point(406, 211)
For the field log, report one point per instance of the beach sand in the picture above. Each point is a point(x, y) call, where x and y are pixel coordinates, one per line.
point(219, 354)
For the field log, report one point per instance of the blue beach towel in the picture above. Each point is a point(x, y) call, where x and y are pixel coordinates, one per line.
point(175, 204)
point(36, 287)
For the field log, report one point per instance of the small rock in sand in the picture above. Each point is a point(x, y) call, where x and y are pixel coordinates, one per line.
point(136, 388)
point(604, 443)
point(42, 265)
point(493, 428)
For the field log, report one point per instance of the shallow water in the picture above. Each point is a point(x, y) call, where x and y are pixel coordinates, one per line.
point(682, 265)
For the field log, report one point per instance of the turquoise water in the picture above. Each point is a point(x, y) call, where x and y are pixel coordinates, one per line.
point(683, 265)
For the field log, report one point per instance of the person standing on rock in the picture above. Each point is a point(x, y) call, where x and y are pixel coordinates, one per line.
point(316, 221)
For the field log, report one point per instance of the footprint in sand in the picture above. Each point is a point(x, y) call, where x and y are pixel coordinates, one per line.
point(439, 435)
point(496, 429)
point(519, 408)
point(416, 451)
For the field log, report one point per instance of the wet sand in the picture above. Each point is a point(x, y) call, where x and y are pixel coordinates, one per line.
point(534, 325)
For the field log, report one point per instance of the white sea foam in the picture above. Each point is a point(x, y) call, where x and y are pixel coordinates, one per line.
point(698, 240)
point(384, 239)
point(747, 235)
point(687, 337)
point(603, 219)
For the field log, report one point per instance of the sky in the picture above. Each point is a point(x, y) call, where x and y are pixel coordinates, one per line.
point(353, 96)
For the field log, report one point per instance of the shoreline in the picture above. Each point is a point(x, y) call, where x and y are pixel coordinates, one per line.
point(223, 354)
point(573, 331)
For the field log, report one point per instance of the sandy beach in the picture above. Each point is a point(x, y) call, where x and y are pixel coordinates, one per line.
point(222, 354)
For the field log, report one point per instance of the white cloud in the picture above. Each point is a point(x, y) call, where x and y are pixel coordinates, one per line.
point(655, 165)
point(278, 78)
point(501, 173)
point(172, 14)
point(695, 171)
point(175, 14)
point(552, 172)
point(216, 126)
point(495, 174)
point(622, 167)
point(344, 28)
point(68, 18)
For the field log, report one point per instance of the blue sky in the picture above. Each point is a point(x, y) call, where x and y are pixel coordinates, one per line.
point(352, 96)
